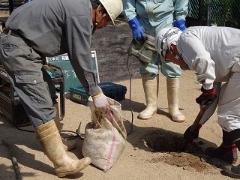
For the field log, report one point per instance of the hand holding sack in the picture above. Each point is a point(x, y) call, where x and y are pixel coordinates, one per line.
point(105, 136)
point(101, 103)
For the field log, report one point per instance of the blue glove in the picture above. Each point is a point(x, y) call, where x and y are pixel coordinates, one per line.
point(137, 29)
point(181, 24)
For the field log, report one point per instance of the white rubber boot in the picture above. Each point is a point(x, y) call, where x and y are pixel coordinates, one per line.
point(57, 118)
point(53, 147)
point(69, 144)
point(150, 89)
point(172, 94)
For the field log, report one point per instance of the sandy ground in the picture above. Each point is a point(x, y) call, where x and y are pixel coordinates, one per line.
point(139, 160)
point(153, 149)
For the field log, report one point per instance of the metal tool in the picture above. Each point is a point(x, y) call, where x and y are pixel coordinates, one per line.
point(203, 116)
point(13, 159)
point(143, 49)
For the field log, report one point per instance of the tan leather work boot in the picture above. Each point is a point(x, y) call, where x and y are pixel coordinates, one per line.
point(172, 94)
point(150, 89)
point(53, 147)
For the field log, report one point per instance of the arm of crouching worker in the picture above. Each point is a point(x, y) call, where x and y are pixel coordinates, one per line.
point(199, 60)
point(78, 35)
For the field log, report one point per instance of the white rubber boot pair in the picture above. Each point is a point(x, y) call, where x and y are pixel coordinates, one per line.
point(151, 91)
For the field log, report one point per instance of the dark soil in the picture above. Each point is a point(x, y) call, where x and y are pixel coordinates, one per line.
point(190, 157)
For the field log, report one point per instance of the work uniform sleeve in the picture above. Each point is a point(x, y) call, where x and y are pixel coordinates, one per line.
point(197, 58)
point(180, 9)
point(129, 9)
point(78, 33)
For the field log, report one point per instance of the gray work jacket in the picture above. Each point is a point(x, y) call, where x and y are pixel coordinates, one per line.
point(53, 27)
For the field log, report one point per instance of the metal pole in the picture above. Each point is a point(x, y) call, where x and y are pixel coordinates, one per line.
point(11, 5)
point(13, 159)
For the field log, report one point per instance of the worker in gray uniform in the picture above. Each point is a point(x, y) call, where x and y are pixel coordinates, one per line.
point(214, 53)
point(145, 18)
point(45, 28)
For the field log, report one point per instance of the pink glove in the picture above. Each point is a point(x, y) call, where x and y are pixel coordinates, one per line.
point(101, 102)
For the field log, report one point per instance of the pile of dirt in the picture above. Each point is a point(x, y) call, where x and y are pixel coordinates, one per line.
point(187, 161)
point(176, 153)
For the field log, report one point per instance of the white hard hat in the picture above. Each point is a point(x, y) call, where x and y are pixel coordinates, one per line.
point(113, 8)
point(166, 37)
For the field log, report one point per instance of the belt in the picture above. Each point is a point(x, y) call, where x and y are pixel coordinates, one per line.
point(11, 32)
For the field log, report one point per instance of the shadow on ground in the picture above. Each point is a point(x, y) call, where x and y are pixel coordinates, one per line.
point(172, 148)
point(137, 107)
point(7, 172)
point(16, 138)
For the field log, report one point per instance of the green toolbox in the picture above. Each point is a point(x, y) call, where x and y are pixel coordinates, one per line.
point(110, 89)
point(70, 78)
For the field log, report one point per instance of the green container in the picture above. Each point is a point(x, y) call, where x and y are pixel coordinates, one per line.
point(70, 78)
point(79, 95)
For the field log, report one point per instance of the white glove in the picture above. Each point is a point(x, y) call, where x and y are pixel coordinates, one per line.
point(101, 102)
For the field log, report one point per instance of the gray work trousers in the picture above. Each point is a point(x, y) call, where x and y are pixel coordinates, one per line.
point(24, 66)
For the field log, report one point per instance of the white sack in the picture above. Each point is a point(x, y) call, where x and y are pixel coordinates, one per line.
point(105, 136)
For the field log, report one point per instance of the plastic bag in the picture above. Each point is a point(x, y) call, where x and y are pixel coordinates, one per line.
point(105, 136)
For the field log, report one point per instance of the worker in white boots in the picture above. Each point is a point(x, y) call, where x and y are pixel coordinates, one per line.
point(214, 54)
point(46, 28)
point(145, 18)
point(150, 86)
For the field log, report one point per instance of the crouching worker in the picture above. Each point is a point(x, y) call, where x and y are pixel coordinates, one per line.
point(48, 28)
point(214, 53)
